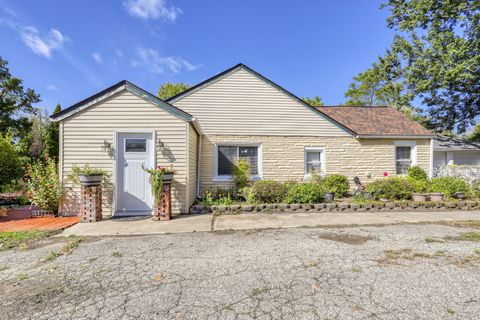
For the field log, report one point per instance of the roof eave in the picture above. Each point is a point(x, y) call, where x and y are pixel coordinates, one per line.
point(387, 136)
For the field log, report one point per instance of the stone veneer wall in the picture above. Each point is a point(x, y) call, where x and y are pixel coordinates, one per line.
point(283, 156)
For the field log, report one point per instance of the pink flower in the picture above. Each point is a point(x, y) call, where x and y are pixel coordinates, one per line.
point(385, 174)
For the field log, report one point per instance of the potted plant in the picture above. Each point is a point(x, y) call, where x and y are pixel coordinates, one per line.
point(89, 176)
point(436, 196)
point(158, 177)
point(419, 197)
point(329, 196)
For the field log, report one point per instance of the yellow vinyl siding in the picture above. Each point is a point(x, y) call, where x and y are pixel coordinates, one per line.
point(85, 132)
point(192, 164)
point(242, 104)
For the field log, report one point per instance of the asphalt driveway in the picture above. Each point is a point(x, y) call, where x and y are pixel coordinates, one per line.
point(390, 272)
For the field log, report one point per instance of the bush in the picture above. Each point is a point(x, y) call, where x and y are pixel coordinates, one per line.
point(241, 173)
point(10, 164)
point(336, 183)
point(449, 186)
point(305, 193)
point(419, 186)
point(416, 173)
point(44, 185)
point(267, 191)
point(217, 196)
point(392, 188)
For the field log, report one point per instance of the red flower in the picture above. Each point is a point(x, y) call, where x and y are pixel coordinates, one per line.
point(385, 174)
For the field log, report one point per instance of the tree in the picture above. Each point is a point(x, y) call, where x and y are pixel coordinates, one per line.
point(382, 84)
point(9, 162)
point(52, 137)
point(474, 136)
point(36, 136)
point(15, 103)
point(438, 45)
point(315, 101)
point(168, 89)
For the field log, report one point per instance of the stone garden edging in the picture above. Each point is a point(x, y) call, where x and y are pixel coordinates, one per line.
point(336, 207)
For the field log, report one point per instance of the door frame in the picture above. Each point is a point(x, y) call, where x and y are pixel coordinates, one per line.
point(116, 133)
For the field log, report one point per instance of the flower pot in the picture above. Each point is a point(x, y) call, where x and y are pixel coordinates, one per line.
point(460, 195)
point(90, 180)
point(436, 197)
point(167, 177)
point(329, 196)
point(419, 197)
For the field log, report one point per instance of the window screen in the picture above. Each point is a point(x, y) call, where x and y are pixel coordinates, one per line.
point(404, 159)
point(135, 145)
point(313, 162)
point(228, 154)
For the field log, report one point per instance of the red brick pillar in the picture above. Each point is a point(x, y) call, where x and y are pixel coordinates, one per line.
point(163, 210)
point(91, 203)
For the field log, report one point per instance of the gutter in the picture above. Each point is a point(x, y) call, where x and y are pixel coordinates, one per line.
point(371, 136)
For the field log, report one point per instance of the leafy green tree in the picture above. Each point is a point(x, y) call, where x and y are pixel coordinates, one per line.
point(438, 46)
point(474, 136)
point(315, 101)
point(9, 162)
point(15, 104)
point(168, 89)
point(52, 137)
point(381, 84)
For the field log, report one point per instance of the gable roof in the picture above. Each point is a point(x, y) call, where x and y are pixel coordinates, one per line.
point(374, 122)
point(443, 143)
point(222, 74)
point(123, 85)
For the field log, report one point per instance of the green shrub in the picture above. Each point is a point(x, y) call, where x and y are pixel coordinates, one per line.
point(267, 191)
point(336, 183)
point(419, 186)
point(44, 185)
point(305, 193)
point(217, 196)
point(10, 164)
point(241, 173)
point(416, 173)
point(449, 186)
point(391, 188)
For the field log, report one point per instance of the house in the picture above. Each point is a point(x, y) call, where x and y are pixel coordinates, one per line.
point(451, 151)
point(236, 113)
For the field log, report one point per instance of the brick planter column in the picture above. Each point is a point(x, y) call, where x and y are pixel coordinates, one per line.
point(163, 210)
point(91, 203)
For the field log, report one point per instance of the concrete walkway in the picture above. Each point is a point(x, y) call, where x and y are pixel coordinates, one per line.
point(208, 222)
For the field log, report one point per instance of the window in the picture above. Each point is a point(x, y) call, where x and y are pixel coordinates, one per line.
point(226, 156)
point(314, 160)
point(135, 145)
point(405, 156)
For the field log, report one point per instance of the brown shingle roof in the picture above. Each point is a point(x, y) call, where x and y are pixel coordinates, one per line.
point(375, 121)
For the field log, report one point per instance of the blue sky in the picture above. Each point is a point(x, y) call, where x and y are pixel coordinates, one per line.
point(69, 50)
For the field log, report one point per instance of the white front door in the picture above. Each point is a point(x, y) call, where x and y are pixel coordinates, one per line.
point(134, 196)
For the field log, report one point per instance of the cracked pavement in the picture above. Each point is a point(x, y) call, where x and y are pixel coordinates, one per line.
point(387, 272)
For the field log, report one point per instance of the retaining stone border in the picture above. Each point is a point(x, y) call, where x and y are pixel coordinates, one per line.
point(336, 207)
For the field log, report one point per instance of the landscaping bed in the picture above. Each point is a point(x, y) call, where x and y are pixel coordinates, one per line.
point(336, 207)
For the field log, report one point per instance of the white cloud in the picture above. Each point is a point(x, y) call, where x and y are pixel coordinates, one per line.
point(152, 9)
point(43, 46)
point(51, 87)
point(97, 57)
point(154, 62)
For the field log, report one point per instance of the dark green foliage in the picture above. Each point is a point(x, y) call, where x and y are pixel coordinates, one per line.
point(268, 191)
point(15, 104)
point(168, 89)
point(416, 173)
point(10, 164)
point(241, 173)
point(391, 188)
point(449, 186)
point(52, 137)
point(305, 193)
point(336, 183)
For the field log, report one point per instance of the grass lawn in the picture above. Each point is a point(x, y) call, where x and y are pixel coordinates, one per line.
point(22, 239)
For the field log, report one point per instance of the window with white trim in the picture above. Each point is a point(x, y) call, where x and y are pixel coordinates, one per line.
point(226, 156)
point(314, 160)
point(405, 156)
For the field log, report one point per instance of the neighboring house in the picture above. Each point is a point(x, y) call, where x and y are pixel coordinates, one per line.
point(237, 113)
point(449, 151)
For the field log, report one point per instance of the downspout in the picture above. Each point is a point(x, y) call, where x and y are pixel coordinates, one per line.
point(431, 158)
point(199, 153)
